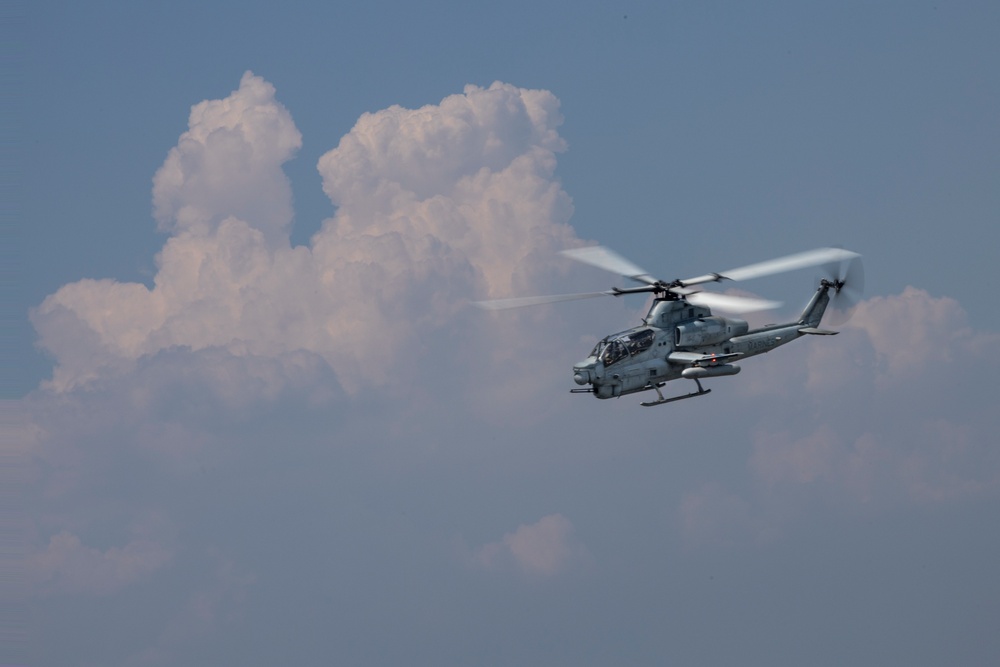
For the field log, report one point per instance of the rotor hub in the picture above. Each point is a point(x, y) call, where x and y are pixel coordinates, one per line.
point(837, 285)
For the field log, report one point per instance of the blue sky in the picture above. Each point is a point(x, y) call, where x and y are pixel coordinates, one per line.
point(268, 430)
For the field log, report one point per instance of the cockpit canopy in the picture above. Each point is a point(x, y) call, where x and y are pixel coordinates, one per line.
point(616, 347)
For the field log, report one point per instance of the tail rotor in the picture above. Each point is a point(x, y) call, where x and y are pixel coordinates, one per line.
point(846, 280)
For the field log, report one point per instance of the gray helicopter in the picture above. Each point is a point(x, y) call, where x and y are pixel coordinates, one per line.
point(680, 338)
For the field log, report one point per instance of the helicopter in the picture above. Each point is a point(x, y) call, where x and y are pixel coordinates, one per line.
point(680, 338)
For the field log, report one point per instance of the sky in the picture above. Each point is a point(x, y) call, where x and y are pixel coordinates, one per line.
point(250, 416)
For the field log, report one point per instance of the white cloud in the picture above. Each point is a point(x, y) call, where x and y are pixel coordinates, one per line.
point(436, 205)
point(228, 164)
point(913, 332)
point(922, 435)
point(883, 423)
point(176, 382)
point(546, 547)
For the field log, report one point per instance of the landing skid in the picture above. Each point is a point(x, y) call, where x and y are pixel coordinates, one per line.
point(661, 401)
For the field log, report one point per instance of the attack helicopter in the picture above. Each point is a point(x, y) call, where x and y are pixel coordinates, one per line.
point(680, 338)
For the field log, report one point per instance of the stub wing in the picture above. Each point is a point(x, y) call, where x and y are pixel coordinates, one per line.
point(698, 359)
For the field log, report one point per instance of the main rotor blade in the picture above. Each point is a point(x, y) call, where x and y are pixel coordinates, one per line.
point(788, 263)
point(523, 301)
point(609, 260)
point(730, 304)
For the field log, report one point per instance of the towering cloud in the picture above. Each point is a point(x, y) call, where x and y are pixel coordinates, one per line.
point(228, 164)
point(435, 205)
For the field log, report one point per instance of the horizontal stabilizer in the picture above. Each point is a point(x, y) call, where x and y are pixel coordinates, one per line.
point(696, 358)
point(818, 332)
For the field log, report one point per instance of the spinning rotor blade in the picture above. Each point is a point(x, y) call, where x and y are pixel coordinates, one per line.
point(730, 304)
point(788, 263)
point(521, 302)
point(844, 299)
point(609, 260)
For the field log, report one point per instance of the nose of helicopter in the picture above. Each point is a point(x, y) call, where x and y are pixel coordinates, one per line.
point(584, 372)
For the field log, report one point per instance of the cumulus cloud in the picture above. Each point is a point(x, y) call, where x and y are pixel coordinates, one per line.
point(908, 334)
point(545, 548)
point(435, 205)
point(228, 164)
point(933, 460)
point(883, 422)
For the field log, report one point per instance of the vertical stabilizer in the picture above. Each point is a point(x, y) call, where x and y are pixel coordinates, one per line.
point(814, 310)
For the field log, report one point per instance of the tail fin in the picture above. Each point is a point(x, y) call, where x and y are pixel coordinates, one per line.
point(814, 310)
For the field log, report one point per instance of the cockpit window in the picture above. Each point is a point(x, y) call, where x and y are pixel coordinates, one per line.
point(639, 341)
point(615, 348)
point(614, 351)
